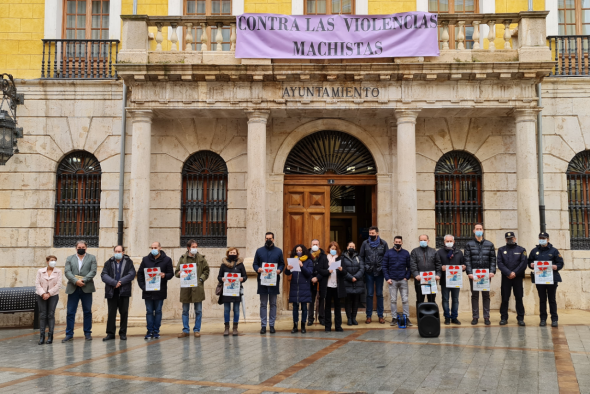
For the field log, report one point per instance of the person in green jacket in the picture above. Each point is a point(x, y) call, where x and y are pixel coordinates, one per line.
point(194, 295)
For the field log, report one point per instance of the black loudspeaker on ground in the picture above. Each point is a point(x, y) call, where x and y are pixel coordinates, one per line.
point(428, 320)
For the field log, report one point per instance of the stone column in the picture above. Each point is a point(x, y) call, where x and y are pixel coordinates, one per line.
point(407, 204)
point(527, 185)
point(256, 194)
point(139, 204)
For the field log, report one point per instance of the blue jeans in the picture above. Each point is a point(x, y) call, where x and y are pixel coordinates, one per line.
point(198, 314)
point(296, 312)
point(153, 315)
point(454, 292)
point(73, 300)
point(227, 309)
point(374, 281)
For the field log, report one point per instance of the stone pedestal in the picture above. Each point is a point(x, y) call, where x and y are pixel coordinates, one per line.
point(407, 200)
point(527, 186)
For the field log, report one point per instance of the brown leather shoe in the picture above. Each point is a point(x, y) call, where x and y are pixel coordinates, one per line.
point(197, 334)
point(368, 321)
point(183, 335)
point(381, 320)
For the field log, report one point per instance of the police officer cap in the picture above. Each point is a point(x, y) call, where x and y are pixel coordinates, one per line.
point(509, 234)
point(543, 235)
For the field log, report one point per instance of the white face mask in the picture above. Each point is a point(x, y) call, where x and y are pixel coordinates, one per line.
point(449, 244)
point(52, 263)
point(315, 248)
point(194, 251)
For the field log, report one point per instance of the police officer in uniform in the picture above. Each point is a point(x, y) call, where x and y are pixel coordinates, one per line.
point(512, 262)
point(546, 252)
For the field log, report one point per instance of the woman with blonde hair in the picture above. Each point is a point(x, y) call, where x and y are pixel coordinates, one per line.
point(47, 284)
point(234, 264)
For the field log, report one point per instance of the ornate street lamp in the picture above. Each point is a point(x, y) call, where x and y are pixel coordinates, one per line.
point(9, 133)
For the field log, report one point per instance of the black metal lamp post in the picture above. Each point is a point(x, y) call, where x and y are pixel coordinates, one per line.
point(9, 133)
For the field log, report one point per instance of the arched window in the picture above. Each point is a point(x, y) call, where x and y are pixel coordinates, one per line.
point(77, 202)
point(204, 200)
point(578, 197)
point(458, 180)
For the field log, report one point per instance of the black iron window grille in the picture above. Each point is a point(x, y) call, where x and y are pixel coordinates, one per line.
point(79, 59)
point(458, 180)
point(578, 196)
point(204, 200)
point(77, 202)
point(330, 152)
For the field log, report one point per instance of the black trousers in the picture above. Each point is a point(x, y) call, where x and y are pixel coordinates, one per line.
point(332, 295)
point(420, 297)
point(47, 312)
point(547, 291)
point(311, 309)
point(509, 285)
point(351, 305)
point(114, 304)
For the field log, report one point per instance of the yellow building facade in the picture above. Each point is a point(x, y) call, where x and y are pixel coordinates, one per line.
point(24, 23)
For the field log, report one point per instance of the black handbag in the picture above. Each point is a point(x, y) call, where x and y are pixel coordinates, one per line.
point(219, 289)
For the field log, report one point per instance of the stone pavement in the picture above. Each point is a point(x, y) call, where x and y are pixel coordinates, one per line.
point(367, 358)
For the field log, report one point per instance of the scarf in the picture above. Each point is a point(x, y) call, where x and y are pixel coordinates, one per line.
point(316, 254)
point(303, 258)
point(451, 254)
point(374, 243)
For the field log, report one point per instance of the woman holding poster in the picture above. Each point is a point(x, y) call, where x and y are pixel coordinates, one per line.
point(232, 264)
point(332, 286)
point(300, 269)
point(546, 253)
point(451, 280)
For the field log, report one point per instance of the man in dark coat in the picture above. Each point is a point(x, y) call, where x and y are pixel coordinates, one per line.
point(154, 300)
point(423, 259)
point(117, 274)
point(450, 256)
point(372, 252)
point(269, 253)
point(397, 272)
point(546, 252)
point(318, 257)
point(480, 254)
point(512, 263)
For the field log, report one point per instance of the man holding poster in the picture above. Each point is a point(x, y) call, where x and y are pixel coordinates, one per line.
point(452, 264)
point(193, 271)
point(268, 292)
point(545, 252)
point(423, 259)
point(512, 263)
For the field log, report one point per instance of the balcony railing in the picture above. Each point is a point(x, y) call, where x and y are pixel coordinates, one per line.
point(79, 59)
point(571, 55)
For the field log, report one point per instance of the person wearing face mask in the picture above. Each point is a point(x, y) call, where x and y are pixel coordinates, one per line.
point(47, 285)
point(512, 264)
point(318, 257)
point(117, 274)
point(154, 300)
point(231, 264)
point(80, 270)
point(269, 253)
point(193, 295)
point(372, 252)
point(397, 272)
point(450, 255)
point(423, 258)
point(354, 271)
point(480, 254)
point(300, 289)
point(547, 252)
point(332, 287)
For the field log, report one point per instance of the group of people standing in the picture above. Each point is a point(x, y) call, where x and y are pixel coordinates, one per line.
point(317, 283)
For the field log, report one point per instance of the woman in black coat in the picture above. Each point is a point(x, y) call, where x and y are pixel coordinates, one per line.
point(332, 286)
point(354, 271)
point(300, 289)
point(232, 263)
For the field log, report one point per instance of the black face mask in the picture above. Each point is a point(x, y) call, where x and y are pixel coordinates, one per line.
point(510, 243)
point(81, 252)
point(351, 250)
point(268, 243)
point(397, 246)
point(373, 237)
point(232, 257)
